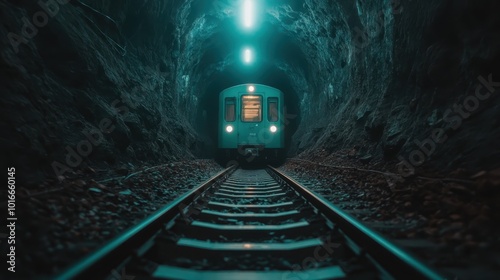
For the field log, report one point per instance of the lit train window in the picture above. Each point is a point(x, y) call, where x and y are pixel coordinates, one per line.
point(230, 104)
point(272, 109)
point(251, 108)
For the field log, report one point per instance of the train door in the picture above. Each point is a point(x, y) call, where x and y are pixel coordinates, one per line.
point(230, 127)
point(251, 119)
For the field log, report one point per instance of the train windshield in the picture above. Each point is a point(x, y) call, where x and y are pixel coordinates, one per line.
point(230, 115)
point(272, 105)
point(251, 109)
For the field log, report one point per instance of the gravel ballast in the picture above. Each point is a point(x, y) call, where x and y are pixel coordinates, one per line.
point(60, 223)
point(448, 222)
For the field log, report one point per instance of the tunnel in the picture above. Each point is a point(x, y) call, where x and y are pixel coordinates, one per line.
point(113, 107)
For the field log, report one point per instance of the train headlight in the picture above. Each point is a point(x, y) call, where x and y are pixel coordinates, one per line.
point(273, 128)
point(251, 89)
point(229, 129)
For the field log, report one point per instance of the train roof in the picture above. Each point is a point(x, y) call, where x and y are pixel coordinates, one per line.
point(249, 84)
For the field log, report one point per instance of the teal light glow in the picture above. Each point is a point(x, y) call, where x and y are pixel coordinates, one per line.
point(248, 13)
point(248, 56)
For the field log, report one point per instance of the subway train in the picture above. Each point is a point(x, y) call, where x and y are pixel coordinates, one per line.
point(251, 128)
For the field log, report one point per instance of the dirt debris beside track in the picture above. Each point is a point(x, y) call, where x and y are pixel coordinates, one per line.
point(60, 223)
point(448, 224)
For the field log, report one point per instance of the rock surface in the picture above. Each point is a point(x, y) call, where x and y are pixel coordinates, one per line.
point(62, 222)
point(406, 86)
point(447, 222)
point(396, 78)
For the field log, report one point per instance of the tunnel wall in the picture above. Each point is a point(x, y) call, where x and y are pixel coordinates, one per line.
point(98, 84)
point(375, 76)
point(394, 86)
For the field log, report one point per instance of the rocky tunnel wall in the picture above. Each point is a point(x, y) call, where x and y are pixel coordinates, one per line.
point(413, 85)
point(96, 84)
point(380, 77)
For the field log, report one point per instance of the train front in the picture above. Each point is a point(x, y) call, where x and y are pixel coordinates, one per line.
point(250, 127)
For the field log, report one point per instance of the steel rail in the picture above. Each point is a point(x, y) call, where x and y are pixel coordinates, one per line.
point(395, 261)
point(100, 264)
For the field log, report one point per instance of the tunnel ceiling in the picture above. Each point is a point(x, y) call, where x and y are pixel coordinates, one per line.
point(215, 41)
point(372, 76)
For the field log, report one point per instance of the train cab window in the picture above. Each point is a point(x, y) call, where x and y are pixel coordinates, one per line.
point(272, 109)
point(251, 108)
point(230, 104)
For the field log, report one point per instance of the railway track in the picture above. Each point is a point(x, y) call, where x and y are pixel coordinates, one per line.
point(250, 224)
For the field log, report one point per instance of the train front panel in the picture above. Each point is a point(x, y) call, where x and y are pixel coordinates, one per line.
point(251, 119)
